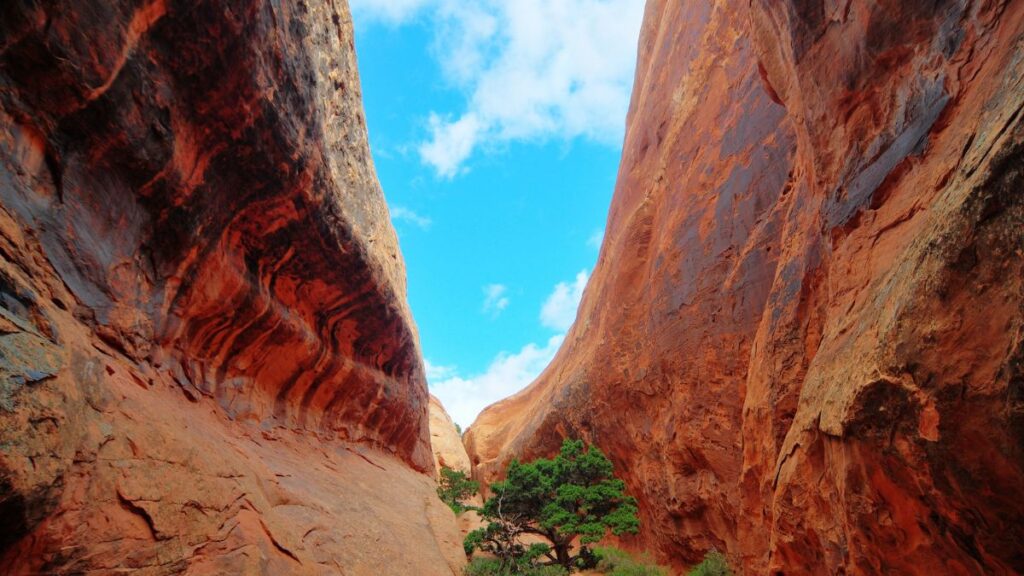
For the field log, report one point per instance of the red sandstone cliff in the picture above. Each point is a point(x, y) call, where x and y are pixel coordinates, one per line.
point(803, 343)
point(207, 364)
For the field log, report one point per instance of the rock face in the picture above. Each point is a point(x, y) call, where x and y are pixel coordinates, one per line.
point(446, 441)
point(207, 363)
point(449, 451)
point(803, 343)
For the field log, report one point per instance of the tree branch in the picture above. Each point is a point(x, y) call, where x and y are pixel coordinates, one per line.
point(545, 533)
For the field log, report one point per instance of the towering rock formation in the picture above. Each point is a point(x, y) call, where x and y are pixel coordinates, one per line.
point(450, 452)
point(446, 441)
point(803, 343)
point(207, 363)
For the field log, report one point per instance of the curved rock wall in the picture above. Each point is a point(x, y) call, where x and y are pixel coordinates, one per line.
point(207, 359)
point(802, 342)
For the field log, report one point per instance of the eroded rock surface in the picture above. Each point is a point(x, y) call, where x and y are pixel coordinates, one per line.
point(449, 451)
point(207, 364)
point(802, 343)
point(446, 440)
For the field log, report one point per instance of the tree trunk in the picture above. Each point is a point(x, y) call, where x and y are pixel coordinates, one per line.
point(562, 552)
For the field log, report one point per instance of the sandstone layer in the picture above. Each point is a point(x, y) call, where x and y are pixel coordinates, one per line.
point(207, 363)
point(803, 343)
point(446, 441)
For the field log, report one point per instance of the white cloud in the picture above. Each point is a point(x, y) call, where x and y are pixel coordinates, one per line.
point(450, 144)
point(529, 70)
point(559, 310)
point(495, 300)
point(403, 214)
point(596, 239)
point(465, 398)
point(436, 371)
point(390, 11)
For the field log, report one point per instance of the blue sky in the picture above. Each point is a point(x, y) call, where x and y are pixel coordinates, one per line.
point(496, 129)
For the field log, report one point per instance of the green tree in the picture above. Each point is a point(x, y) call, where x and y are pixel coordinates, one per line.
point(574, 495)
point(454, 488)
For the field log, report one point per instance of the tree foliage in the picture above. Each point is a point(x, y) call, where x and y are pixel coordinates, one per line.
point(454, 488)
point(714, 564)
point(616, 562)
point(573, 496)
point(495, 567)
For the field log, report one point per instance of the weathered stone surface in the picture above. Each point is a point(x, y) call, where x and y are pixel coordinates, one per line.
point(449, 451)
point(802, 343)
point(207, 360)
point(445, 440)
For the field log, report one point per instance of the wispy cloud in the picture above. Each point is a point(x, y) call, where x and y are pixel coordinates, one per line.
point(559, 310)
point(403, 214)
point(508, 373)
point(464, 397)
point(596, 239)
point(389, 11)
point(530, 70)
point(450, 144)
point(495, 300)
point(437, 372)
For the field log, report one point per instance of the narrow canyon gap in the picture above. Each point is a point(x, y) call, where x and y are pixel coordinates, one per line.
point(803, 343)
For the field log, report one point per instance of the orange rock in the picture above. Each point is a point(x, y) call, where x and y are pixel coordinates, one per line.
point(446, 443)
point(804, 338)
point(445, 440)
point(207, 361)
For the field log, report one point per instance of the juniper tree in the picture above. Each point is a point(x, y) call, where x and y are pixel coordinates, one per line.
point(575, 495)
point(454, 488)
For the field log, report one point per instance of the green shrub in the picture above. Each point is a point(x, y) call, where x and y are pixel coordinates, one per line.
point(495, 567)
point(714, 564)
point(484, 567)
point(454, 487)
point(617, 562)
point(608, 558)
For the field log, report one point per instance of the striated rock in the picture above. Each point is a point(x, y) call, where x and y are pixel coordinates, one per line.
point(207, 362)
point(445, 440)
point(802, 343)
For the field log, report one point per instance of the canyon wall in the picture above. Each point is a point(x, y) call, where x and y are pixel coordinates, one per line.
point(803, 342)
point(446, 440)
point(207, 362)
